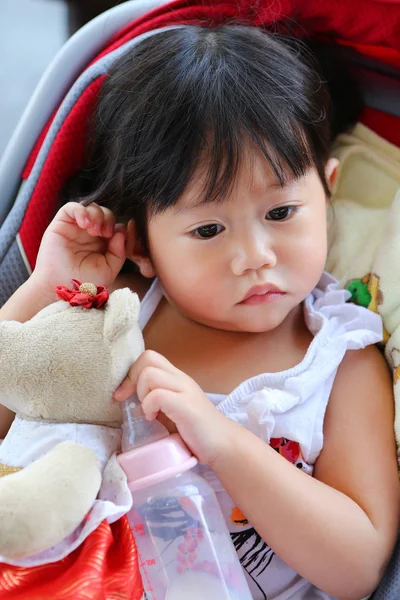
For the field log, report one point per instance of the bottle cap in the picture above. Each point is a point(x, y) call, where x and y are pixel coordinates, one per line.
point(156, 462)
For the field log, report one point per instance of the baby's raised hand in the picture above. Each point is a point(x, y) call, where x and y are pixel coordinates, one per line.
point(162, 387)
point(80, 243)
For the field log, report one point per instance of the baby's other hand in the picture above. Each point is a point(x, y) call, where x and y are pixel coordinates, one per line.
point(80, 243)
point(162, 387)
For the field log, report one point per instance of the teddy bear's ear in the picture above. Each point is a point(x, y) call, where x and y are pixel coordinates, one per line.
point(122, 312)
point(8, 330)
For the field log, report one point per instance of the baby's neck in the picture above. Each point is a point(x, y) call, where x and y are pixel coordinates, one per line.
point(218, 359)
point(292, 324)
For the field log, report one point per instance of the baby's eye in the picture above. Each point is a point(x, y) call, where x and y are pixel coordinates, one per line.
point(281, 213)
point(207, 231)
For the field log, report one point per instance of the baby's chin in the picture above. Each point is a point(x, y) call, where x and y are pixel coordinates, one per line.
point(248, 325)
point(253, 327)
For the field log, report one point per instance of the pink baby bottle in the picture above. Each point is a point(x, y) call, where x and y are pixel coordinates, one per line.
point(185, 550)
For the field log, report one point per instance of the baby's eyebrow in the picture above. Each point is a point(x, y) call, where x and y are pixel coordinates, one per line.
point(203, 203)
point(191, 207)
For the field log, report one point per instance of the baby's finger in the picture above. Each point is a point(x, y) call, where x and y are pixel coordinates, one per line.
point(120, 227)
point(94, 219)
point(74, 212)
point(131, 237)
point(151, 378)
point(88, 218)
point(115, 254)
point(108, 222)
point(147, 359)
point(125, 389)
point(159, 400)
point(116, 248)
point(151, 358)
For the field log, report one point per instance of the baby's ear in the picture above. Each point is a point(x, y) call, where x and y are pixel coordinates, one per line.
point(122, 313)
point(331, 172)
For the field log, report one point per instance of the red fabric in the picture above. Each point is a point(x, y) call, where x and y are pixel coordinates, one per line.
point(358, 22)
point(387, 126)
point(65, 158)
point(104, 567)
point(76, 297)
point(390, 56)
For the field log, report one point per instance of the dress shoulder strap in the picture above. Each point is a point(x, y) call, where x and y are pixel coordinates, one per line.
point(149, 303)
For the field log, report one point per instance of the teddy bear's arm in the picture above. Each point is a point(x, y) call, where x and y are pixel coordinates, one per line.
point(46, 501)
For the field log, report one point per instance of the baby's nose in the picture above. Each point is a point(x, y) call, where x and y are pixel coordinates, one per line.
point(254, 255)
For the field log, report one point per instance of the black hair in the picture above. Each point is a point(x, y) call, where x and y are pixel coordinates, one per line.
point(196, 92)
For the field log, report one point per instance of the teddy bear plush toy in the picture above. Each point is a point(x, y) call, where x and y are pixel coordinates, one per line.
point(59, 476)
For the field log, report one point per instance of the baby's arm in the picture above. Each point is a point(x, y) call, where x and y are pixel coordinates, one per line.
point(337, 529)
point(27, 301)
point(80, 243)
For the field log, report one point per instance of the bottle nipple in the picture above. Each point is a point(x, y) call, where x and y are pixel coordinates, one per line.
point(137, 430)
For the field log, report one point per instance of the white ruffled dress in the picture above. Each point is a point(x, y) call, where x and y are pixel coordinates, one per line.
point(287, 410)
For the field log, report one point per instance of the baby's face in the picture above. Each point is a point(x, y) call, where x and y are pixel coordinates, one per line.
point(243, 264)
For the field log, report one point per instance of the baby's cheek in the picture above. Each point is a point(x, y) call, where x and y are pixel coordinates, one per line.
point(306, 258)
point(312, 245)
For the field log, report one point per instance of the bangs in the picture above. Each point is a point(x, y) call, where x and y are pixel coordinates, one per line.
point(287, 155)
point(262, 98)
point(194, 101)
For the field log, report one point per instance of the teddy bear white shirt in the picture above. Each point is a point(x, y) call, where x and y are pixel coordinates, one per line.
point(33, 439)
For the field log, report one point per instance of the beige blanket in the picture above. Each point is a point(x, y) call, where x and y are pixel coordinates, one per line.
point(364, 233)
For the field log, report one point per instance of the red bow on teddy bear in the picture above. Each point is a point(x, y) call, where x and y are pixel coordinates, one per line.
point(86, 295)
